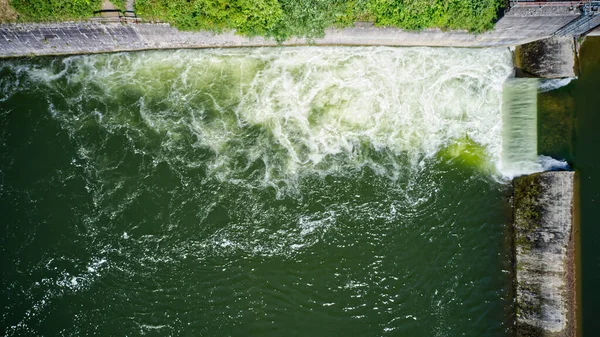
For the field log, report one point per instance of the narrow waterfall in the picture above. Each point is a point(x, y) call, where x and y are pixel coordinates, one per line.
point(519, 135)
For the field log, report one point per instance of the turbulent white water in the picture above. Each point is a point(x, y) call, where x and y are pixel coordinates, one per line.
point(355, 183)
point(298, 111)
point(553, 84)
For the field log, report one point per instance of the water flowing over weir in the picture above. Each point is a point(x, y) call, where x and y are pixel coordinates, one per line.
point(520, 127)
point(319, 108)
point(311, 191)
point(519, 139)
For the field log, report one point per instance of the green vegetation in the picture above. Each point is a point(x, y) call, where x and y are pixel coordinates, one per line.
point(473, 15)
point(120, 4)
point(527, 190)
point(247, 17)
point(54, 10)
point(282, 19)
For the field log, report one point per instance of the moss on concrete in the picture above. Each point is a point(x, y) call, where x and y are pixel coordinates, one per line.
point(527, 191)
point(549, 58)
point(542, 235)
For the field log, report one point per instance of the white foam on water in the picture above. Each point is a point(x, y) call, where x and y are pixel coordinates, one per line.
point(552, 164)
point(519, 146)
point(269, 117)
point(553, 84)
point(53, 288)
point(298, 111)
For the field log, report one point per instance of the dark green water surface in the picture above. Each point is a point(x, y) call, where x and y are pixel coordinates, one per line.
point(569, 121)
point(311, 192)
point(587, 162)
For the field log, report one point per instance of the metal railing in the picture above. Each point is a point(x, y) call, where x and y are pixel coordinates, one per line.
point(121, 16)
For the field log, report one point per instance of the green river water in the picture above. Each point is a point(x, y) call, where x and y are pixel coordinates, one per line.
point(255, 192)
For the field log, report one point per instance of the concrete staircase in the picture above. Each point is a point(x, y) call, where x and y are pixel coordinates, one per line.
point(109, 13)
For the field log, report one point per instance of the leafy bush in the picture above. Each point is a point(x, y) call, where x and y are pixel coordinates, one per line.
point(281, 19)
point(247, 17)
point(472, 15)
point(308, 18)
point(55, 10)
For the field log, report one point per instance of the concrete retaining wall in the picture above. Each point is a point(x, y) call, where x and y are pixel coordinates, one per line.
point(78, 38)
point(548, 58)
point(544, 244)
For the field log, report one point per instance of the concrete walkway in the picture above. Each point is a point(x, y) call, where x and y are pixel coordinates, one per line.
point(88, 37)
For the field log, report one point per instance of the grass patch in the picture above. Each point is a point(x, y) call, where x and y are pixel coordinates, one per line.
point(7, 13)
point(119, 4)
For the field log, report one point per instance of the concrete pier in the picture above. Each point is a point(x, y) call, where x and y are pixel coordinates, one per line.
point(544, 254)
point(548, 58)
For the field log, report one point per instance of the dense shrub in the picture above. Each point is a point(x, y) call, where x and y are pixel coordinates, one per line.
point(308, 18)
point(281, 19)
point(473, 15)
point(120, 4)
point(55, 10)
point(247, 17)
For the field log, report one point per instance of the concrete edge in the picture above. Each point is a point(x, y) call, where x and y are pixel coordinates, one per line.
point(69, 38)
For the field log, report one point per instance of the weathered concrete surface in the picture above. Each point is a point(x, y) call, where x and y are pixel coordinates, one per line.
point(595, 32)
point(549, 58)
point(544, 241)
point(77, 38)
point(529, 11)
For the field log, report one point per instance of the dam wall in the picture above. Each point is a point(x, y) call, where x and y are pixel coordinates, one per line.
point(553, 57)
point(544, 254)
point(89, 37)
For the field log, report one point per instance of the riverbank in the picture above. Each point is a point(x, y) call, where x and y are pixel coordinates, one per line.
point(87, 37)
